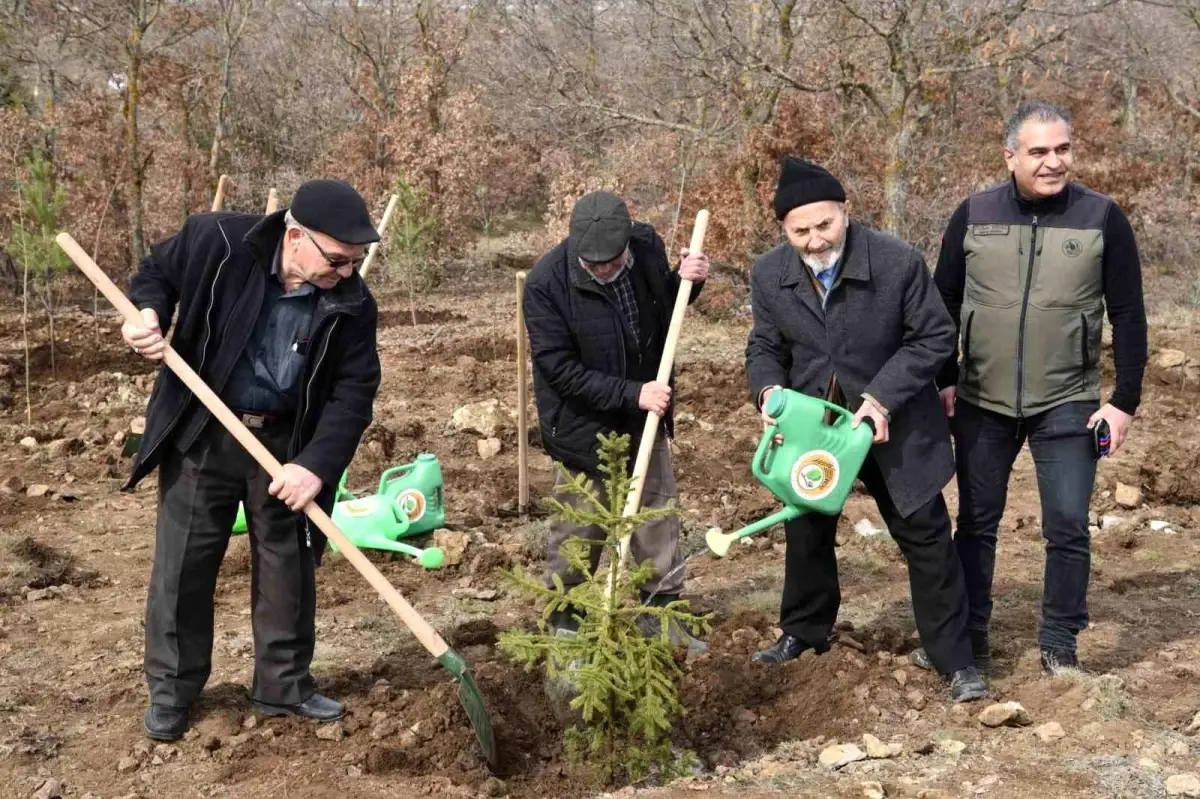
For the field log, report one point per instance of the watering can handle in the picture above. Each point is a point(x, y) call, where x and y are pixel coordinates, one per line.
point(384, 478)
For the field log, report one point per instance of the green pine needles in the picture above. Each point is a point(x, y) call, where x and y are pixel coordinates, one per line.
point(621, 665)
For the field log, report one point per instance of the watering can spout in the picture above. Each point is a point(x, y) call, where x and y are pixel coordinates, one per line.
point(720, 542)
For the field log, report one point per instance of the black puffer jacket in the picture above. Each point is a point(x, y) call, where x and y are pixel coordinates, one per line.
point(215, 270)
point(588, 370)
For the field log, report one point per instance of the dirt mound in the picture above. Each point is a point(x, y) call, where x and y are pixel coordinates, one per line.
point(484, 349)
point(41, 566)
point(1171, 476)
point(398, 317)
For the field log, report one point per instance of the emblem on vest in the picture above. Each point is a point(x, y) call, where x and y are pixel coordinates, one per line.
point(1072, 248)
point(990, 230)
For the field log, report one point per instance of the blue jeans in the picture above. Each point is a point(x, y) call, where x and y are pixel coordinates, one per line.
point(986, 444)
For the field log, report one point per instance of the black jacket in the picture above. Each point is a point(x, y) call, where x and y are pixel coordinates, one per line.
point(215, 270)
point(883, 330)
point(588, 371)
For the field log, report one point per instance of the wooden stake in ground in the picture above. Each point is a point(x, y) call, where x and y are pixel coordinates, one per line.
point(634, 501)
point(272, 201)
point(387, 217)
point(468, 693)
point(219, 197)
point(522, 399)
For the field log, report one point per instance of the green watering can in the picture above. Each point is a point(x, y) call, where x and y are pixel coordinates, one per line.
point(408, 503)
point(810, 466)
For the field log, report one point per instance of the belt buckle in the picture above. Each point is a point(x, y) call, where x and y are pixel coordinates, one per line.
point(253, 421)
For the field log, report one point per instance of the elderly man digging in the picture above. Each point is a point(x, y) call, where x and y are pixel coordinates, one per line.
point(597, 309)
point(274, 317)
point(851, 314)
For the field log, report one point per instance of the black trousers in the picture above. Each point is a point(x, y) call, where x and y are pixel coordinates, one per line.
point(812, 595)
point(199, 493)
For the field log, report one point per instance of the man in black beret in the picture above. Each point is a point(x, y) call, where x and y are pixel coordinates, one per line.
point(597, 309)
point(273, 315)
point(851, 315)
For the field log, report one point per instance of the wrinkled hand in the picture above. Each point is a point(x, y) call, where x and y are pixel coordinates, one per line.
point(147, 340)
point(296, 487)
point(948, 395)
point(868, 411)
point(693, 267)
point(655, 397)
point(767, 420)
point(1118, 425)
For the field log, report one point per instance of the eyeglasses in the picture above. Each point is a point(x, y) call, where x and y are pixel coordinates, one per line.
point(336, 263)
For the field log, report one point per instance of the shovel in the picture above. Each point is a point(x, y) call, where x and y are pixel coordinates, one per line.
point(468, 692)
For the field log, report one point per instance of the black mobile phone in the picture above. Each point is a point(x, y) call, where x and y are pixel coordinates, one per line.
point(1101, 439)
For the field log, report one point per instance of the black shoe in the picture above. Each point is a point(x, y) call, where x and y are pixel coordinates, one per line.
point(1055, 660)
point(981, 654)
point(563, 622)
point(788, 647)
point(315, 707)
point(165, 723)
point(676, 634)
point(967, 685)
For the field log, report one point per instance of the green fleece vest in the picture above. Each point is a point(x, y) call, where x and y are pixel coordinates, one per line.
point(1033, 303)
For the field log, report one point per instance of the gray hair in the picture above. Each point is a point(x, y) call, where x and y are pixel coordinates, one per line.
point(290, 221)
point(1038, 111)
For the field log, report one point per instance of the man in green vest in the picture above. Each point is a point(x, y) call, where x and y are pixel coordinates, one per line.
point(1027, 270)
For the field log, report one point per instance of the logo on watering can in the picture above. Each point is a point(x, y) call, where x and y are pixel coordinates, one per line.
point(412, 502)
point(815, 475)
point(359, 507)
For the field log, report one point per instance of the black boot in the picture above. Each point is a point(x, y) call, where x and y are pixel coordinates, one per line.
point(981, 654)
point(967, 685)
point(563, 622)
point(788, 647)
point(1055, 660)
point(165, 723)
point(677, 635)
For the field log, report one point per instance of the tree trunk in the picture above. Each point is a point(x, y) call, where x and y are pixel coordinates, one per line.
point(895, 176)
point(1129, 87)
point(133, 50)
point(214, 158)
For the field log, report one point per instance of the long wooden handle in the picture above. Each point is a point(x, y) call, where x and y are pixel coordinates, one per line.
point(522, 399)
point(425, 633)
point(650, 431)
point(383, 225)
point(272, 201)
point(219, 197)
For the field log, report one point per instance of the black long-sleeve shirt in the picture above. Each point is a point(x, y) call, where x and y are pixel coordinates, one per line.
point(1121, 272)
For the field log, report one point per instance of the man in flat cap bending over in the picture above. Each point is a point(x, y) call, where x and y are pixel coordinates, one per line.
point(271, 312)
point(850, 314)
point(597, 309)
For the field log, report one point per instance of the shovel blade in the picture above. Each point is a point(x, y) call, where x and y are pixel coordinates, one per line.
point(472, 702)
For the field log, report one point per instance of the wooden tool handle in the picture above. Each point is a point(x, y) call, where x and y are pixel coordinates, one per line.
point(425, 633)
point(272, 201)
point(650, 431)
point(522, 399)
point(383, 225)
point(219, 198)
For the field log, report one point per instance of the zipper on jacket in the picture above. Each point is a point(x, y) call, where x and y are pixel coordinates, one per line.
point(1021, 329)
point(312, 378)
point(212, 298)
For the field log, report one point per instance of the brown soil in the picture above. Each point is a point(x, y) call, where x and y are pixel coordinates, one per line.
point(75, 562)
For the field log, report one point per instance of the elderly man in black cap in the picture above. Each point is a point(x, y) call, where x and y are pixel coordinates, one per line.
point(597, 308)
point(273, 315)
point(851, 315)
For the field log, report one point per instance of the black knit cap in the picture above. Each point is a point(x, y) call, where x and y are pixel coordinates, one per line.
point(600, 226)
point(334, 208)
point(802, 182)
